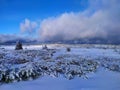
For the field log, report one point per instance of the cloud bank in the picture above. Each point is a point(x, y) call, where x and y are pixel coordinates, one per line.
point(12, 38)
point(100, 20)
point(28, 26)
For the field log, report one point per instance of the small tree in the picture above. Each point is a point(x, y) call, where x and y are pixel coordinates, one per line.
point(18, 46)
point(45, 47)
point(68, 49)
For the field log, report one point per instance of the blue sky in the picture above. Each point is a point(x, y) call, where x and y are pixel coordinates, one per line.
point(13, 12)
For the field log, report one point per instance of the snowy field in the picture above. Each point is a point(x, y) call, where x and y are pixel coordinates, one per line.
point(60, 67)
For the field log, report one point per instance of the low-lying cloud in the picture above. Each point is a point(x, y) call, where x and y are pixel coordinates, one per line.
point(12, 38)
point(100, 20)
point(7, 37)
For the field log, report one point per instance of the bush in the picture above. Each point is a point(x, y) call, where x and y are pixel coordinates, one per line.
point(68, 49)
point(18, 46)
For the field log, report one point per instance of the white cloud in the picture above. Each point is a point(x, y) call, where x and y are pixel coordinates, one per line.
point(101, 19)
point(28, 26)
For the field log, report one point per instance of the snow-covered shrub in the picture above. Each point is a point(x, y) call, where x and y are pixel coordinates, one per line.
point(114, 67)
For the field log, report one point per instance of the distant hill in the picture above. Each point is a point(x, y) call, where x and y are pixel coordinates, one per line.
point(77, 41)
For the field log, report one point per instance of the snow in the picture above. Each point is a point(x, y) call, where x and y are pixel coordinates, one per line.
point(85, 67)
point(101, 80)
point(92, 52)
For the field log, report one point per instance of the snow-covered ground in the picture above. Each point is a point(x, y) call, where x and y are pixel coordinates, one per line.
point(101, 80)
point(84, 67)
